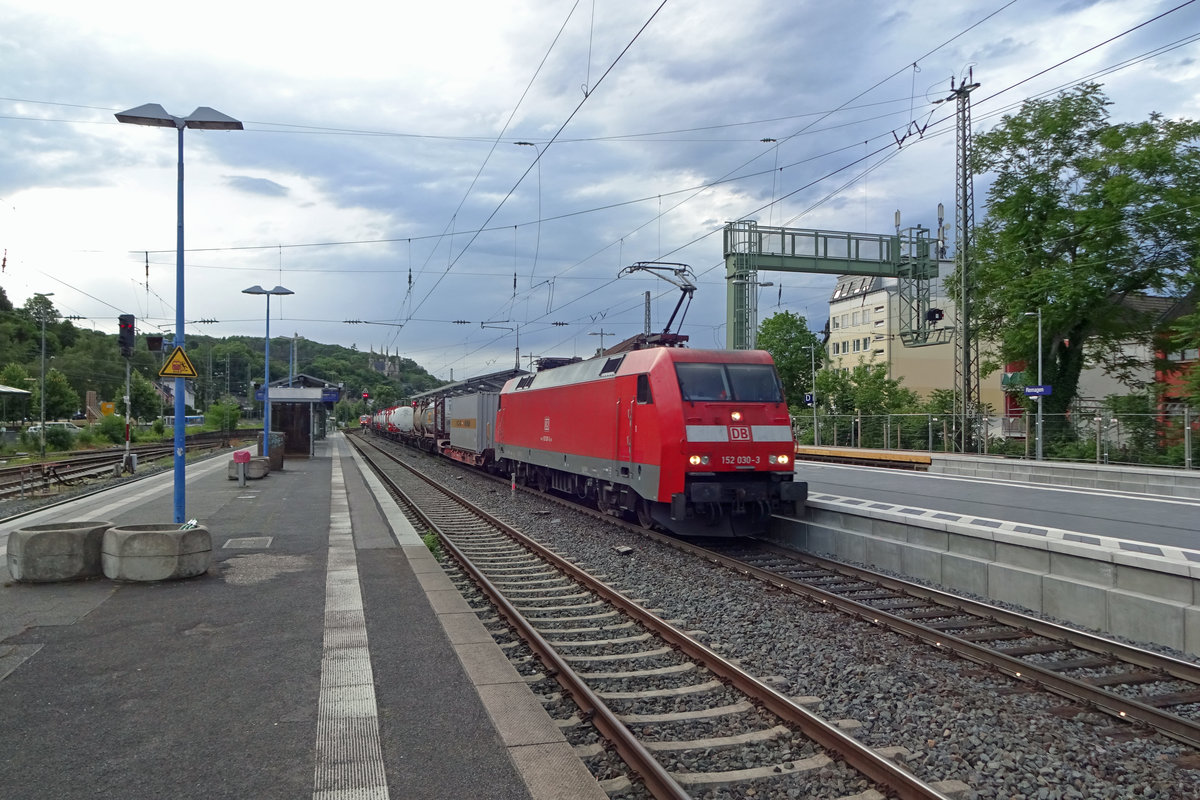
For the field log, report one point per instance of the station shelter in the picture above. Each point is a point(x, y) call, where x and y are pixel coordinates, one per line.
point(302, 410)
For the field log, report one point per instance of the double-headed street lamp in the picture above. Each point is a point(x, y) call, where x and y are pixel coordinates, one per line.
point(256, 289)
point(204, 118)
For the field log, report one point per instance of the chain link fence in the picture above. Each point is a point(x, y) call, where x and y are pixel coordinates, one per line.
point(1169, 439)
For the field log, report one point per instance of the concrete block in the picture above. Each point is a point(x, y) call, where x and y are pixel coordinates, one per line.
point(257, 467)
point(1191, 630)
point(972, 547)
point(896, 531)
point(1009, 584)
point(924, 537)
point(155, 552)
point(1153, 583)
point(1146, 619)
point(965, 574)
point(1088, 570)
point(851, 522)
point(921, 562)
point(1025, 558)
point(60, 551)
point(883, 554)
point(1077, 601)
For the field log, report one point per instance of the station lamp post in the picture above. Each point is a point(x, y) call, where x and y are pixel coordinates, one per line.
point(812, 365)
point(42, 419)
point(203, 118)
point(256, 289)
point(1039, 398)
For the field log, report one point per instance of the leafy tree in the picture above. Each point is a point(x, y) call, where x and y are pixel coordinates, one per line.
point(1185, 335)
point(787, 338)
point(1082, 216)
point(144, 401)
point(864, 392)
point(223, 416)
point(61, 399)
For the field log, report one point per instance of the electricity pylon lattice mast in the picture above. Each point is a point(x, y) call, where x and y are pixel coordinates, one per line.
point(966, 353)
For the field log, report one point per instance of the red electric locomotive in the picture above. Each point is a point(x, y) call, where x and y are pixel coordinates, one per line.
point(698, 441)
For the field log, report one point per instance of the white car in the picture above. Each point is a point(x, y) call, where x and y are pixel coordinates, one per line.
point(36, 429)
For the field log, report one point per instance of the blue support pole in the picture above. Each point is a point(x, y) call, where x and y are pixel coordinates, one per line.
point(180, 460)
point(267, 384)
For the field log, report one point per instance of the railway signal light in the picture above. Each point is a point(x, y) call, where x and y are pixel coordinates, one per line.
point(125, 334)
point(366, 395)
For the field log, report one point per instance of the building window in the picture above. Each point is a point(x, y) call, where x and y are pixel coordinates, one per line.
point(866, 315)
point(834, 320)
point(854, 318)
point(845, 318)
point(866, 343)
point(836, 350)
point(856, 345)
point(878, 323)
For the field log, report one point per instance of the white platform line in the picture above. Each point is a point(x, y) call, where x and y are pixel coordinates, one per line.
point(349, 758)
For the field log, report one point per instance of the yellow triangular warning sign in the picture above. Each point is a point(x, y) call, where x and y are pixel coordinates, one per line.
point(178, 366)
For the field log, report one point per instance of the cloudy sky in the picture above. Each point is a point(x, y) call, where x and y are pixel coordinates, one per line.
point(380, 178)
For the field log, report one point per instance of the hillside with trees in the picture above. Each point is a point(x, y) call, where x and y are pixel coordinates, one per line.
point(79, 360)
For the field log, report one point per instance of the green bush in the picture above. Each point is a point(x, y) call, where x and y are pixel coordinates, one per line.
point(160, 430)
point(111, 430)
point(223, 416)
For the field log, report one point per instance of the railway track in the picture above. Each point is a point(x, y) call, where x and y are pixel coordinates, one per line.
point(1132, 684)
point(44, 477)
point(1135, 686)
point(645, 685)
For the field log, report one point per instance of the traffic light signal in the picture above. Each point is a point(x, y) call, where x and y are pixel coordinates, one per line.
point(366, 395)
point(125, 334)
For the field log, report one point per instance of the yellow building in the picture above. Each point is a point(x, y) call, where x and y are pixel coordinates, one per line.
point(864, 327)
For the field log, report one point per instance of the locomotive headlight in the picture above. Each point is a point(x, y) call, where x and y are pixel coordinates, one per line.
point(780, 459)
point(736, 416)
point(696, 461)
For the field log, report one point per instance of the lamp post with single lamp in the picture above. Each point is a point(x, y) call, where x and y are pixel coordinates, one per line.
point(42, 429)
point(203, 118)
point(256, 289)
point(1038, 450)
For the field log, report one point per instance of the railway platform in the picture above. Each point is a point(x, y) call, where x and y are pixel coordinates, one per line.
point(324, 654)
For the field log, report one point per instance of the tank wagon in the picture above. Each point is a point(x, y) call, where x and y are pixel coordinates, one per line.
point(698, 442)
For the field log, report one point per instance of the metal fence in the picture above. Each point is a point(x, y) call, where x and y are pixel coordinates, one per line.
point(1167, 439)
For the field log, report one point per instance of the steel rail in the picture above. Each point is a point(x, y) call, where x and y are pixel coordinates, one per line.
point(658, 781)
point(1178, 668)
point(1122, 708)
point(857, 755)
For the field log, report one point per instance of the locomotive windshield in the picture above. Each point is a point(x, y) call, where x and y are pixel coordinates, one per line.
point(746, 383)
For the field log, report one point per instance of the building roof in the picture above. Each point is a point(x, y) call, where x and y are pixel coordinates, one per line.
point(849, 286)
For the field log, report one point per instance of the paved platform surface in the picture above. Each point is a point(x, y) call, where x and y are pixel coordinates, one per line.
point(324, 654)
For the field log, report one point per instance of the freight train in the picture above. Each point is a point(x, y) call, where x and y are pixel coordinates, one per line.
point(698, 442)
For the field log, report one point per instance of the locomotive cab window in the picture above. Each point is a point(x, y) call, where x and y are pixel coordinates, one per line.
point(702, 382)
point(746, 383)
point(755, 383)
point(643, 390)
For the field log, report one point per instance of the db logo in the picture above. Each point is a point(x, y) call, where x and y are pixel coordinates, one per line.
point(739, 433)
